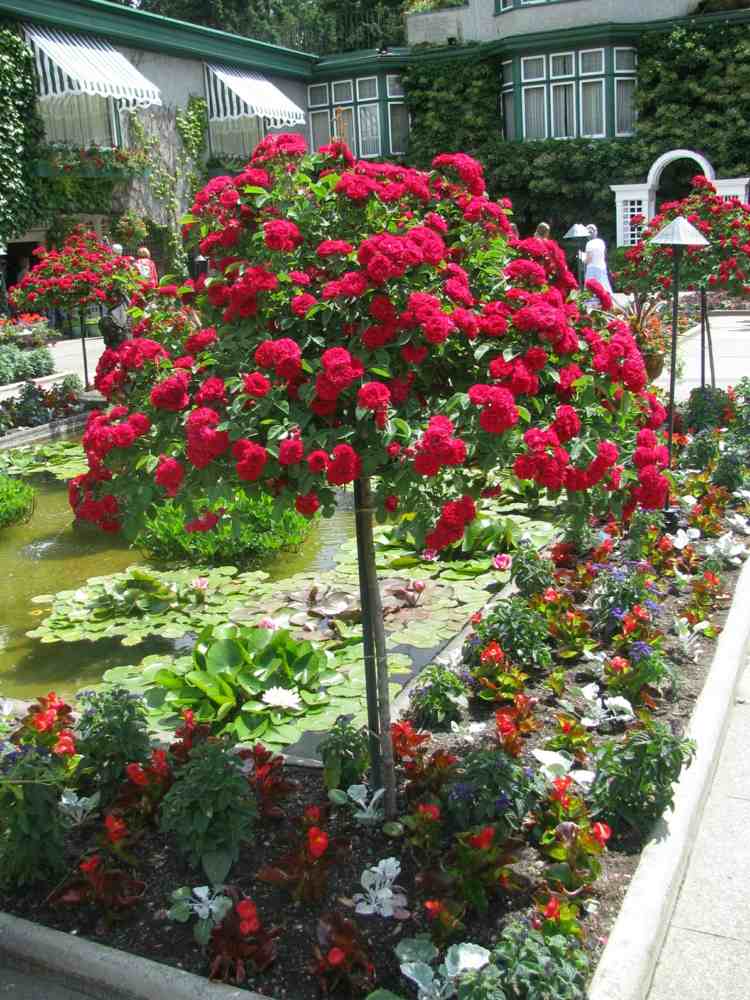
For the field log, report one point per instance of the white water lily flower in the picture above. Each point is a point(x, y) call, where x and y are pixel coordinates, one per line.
point(283, 698)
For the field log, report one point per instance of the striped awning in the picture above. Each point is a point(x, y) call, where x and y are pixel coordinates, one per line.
point(239, 93)
point(81, 64)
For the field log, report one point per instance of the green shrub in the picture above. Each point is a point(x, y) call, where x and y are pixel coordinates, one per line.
point(17, 365)
point(439, 698)
point(705, 408)
point(538, 967)
point(701, 451)
point(345, 753)
point(32, 829)
point(111, 734)
point(262, 532)
point(521, 632)
point(635, 776)
point(492, 788)
point(16, 501)
point(531, 572)
point(729, 471)
point(210, 810)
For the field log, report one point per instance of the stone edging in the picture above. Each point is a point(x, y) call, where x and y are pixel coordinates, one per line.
point(44, 432)
point(628, 963)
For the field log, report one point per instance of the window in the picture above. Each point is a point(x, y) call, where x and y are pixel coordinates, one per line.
point(534, 113)
point(562, 64)
point(626, 60)
point(79, 119)
point(320, 129)
point(235, 136)
point(367, 88)
point(507, 72)
point(343, 125)
point(592, 108)
point(398, 123)
point(533, 68)
point(506, 4)
point(317, 95)
point(394, 86)
point(632, 232)
point(563, 110)
point(592, 61)
point(624, 106)
point(509, 115)
point(342, 91)
point(369, 130)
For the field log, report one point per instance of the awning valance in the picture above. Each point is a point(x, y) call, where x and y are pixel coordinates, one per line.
point(238, 93)
point(70, 64)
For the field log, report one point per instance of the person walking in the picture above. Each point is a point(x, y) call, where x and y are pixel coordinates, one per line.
point(596, 259)
point(542, 231)
point(145, 266)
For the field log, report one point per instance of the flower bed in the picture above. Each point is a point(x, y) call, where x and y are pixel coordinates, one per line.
point(35, 405)
point(543, 762)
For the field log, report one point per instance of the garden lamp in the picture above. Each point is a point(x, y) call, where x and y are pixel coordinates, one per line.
point(579, 234)
point(678, 235)
point(200, 266)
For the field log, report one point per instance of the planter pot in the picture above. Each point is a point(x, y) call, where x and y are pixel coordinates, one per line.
point(654, 365)
point(45, 168)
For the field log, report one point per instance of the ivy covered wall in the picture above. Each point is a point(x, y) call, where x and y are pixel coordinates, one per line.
point(693, 92)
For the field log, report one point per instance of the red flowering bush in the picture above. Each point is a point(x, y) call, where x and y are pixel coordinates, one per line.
point(82, 271)
point(364, 319)
point(724, 263)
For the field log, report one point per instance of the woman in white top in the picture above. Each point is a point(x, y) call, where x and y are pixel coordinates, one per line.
point(596, 260)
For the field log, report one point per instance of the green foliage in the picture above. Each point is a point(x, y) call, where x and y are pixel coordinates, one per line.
point(210, 810)
point(439, 698)
point(247, 681)
point(17, 365)
point(729, 471)
point(32, 828)
point(492, 788)
point(345, 753)
point(20, 134)
point(111, 734)
point(635, 776)
point(702, 450)
point(521, 632)
point(705, 408)
point(484, 984)
point(61, 459)
point(538, 967)
point(616, 588)
point(254, 534)
point(16, 501)
point(531, 572)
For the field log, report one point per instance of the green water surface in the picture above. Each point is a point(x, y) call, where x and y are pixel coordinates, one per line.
point(51, 553)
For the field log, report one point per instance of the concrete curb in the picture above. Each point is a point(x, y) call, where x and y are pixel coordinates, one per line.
point(100, 972)
point(627, 966)
point(44, 382)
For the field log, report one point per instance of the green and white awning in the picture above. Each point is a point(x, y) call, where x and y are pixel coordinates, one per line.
point(238, 93)
point(70, 64)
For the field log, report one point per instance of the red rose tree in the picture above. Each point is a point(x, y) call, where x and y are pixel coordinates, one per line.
point(368, 324)
point(83, 271)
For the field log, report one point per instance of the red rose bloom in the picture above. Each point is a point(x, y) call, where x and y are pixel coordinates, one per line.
point(307, 504)
point(345, 465)
point(291, 451)
point(373, 396)
point(169, 475)
point(171, 394)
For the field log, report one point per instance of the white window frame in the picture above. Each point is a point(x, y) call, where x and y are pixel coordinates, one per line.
point(337, 101)
point(395, 104)
point(633, 80)
point(561, 138)
point(327, 113)
point(511, 82)
point(587, 82)
point(506, 5)
point(393, 76)
point(373, 97)
point(528, 3)
point(360, 109)
point(591, 72)
point(533, 79)
point(562, 76)
point(625, 48)
point(538, 86)
point(319, 104)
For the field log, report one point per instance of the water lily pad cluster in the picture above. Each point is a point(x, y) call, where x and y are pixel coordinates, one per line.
point(61, 459)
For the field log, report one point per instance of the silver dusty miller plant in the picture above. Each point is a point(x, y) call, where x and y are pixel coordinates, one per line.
point(381, 896)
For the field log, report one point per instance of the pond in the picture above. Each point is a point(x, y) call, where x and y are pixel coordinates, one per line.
point(51, 553)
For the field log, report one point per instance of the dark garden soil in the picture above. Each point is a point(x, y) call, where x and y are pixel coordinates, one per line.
point(148, 932)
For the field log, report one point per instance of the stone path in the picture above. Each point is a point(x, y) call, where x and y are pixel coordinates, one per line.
point(68, 355)
point(707, 949)
point(731, 343)
point(21, 986)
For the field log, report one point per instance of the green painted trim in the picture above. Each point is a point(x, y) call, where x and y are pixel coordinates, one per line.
point(142, 30)
point(609, 91)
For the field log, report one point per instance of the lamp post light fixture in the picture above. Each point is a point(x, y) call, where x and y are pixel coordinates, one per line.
point(200, 266)
point(579, 234)
point(677, 234)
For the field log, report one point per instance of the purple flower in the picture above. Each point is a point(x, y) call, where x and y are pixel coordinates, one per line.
point(617, 613)
point(640, 651)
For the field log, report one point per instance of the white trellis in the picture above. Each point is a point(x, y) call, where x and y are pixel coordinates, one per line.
point(640, 199)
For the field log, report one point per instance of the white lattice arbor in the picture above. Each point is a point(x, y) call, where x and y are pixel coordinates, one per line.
point(640, 199)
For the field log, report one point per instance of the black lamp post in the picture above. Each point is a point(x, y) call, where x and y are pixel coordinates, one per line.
point(580, 235)
point(678, 235)
point(200, 266)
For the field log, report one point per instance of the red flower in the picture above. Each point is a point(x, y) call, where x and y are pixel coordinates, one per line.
point(434, 908)
point(291, 451)
point(65, 745)
point(169, 475)
point(116, 828)
point(171, 394)
point(429, 811)
point(251, 459)
point(552, 909)
point(317, 842)
point(373, 396)
point(307, 504)
point(90, 865)
point(336, 957)
point(136, 774)
point(482, 841)
point(345, 465)
point(313, 814)
point(492, 653)
point(281, 235)
point(601, 833)
point(391, 503)
point(247, 911)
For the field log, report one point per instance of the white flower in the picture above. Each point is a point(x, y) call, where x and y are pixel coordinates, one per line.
point(283, 698)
